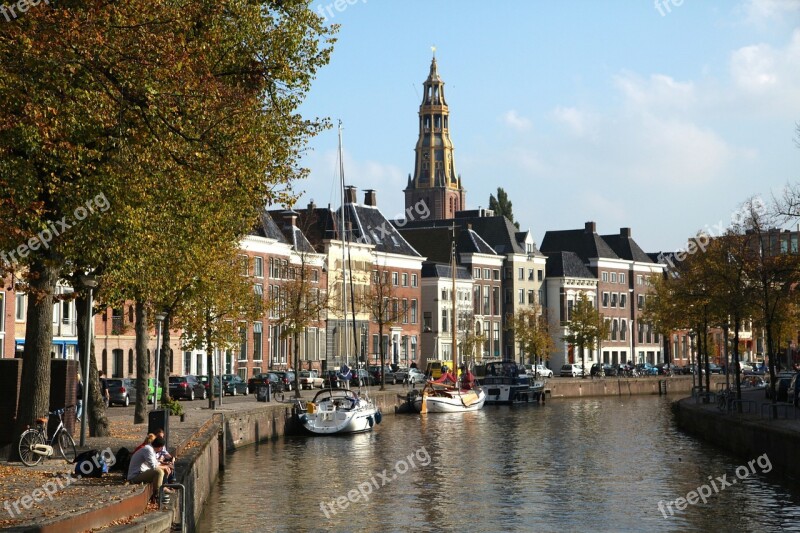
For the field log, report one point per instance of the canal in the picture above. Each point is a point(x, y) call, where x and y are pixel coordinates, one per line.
point(600, 464)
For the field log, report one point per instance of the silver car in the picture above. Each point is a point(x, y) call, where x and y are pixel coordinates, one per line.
point(415, 375)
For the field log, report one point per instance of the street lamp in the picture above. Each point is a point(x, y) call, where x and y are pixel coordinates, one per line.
point(89, 282)
point(159, 319)
point(691, 356)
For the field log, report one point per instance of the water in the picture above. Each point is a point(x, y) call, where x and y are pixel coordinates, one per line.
point(572, 465)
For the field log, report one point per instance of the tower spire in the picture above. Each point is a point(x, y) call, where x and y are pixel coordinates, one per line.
point(435, 180)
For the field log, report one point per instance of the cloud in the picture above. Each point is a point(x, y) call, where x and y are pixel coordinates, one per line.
point(576, 121)
point(760, 13)
point(659, 91)
point(513, 119)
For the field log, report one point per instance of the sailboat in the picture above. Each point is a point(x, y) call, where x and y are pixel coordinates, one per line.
point(451, 396)
point(336, 411)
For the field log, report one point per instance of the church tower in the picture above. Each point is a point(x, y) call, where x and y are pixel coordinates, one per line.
point(435, 180)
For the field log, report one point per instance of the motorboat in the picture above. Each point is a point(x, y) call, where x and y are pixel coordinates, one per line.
point(443, 398)
point(334, 411)
point(505, 382)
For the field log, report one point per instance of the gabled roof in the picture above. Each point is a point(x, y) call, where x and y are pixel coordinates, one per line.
point(317, 224)
point(469, 242)
point(369, 226)
point(266, 227)
point(585, 242)
point(442, 270)
point(436, 243)
point(626, 248)
point(567, 265)
point(496, 231)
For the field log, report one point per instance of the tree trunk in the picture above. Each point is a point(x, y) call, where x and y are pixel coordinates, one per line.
point(34, 397)
point(382, 351)
point(736, 370)
point(296, 346)
point(96, 409)
point(142, 364)
point(583, 361)
point(166, 359)
point(210, 362)
point(705, 346)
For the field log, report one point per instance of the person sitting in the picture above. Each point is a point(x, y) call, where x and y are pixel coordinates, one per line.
point(145, 467)
point(166, 459)
point(467, 380)
point(147, 440)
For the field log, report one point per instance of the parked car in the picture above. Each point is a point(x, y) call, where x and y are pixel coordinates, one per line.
point(121, 391)
point(233, 384)
point(287, 378)
point(362, 378)
point(608, 370)
point(309, 379)
point(268, 378)
point(793, 392)
point(330, 380)
point(401, 374)
point(784, 379)
point(646, 369)
point(571, 370)
point(539, 370)
point(186, 387)
point(376, 373)
point(415, 375)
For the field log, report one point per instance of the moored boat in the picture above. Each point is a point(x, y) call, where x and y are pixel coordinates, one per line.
point(505, 382)
point(334, 411)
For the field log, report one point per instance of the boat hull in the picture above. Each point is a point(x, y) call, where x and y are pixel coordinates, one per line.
point(333, 422)
point(455, 402)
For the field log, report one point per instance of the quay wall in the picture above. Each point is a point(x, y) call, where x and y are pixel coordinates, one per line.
point(581, 388)
point(747, 438)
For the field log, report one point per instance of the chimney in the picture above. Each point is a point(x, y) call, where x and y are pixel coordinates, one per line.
point(370, 198)
point(469, 226)
point(290, 217)
point(350, 195)
point(625, 232)
point(312, 205)
point(591, 227)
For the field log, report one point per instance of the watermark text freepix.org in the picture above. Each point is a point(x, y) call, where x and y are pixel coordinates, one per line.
point(12, 11)
point(719, 483)
point(53, 230)
point(60, 483)
point(327, 11)
point(377, 481)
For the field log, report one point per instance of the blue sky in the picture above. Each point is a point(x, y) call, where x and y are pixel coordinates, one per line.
point(654, 116)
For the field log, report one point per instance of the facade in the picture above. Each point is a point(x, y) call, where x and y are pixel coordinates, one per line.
point(437, 305)
point(622, 271)
point(435, 182)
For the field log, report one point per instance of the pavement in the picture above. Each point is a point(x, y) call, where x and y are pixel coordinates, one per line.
point(61, 495)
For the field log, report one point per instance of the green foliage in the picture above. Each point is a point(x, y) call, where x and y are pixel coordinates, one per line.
point(502, 205)
point(174, 406)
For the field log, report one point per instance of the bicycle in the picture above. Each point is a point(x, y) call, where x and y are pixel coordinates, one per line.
point(34, 445)
point(725, 400)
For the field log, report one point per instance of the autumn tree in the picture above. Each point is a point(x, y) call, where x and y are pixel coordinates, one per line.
point(532, 332)
point(381, 304)
point(501, 205)
point(587, 327)
point(136, 101)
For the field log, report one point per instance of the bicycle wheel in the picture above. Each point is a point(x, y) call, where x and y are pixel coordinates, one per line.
point(66, 446)
point(26, 443)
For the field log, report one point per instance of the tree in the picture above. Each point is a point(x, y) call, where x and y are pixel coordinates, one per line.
point(532, 332)
point(586, 328)
point(470, 339)
point(158, 106)
point(300, 303)
point(383, 307)
point(502, 205)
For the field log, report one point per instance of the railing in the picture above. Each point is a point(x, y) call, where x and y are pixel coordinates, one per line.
point(785, 407)
point(182, 489)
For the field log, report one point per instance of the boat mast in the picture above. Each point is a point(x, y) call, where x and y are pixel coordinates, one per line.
point(343, 235)
point(453, 297)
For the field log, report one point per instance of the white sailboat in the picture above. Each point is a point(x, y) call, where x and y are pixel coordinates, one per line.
point(455, 397)
point(335, 411)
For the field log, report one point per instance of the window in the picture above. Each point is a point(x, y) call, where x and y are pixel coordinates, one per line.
point(614, 329)
point(405, 279)
point(413, 347)
point(613, 277)
point(521, 296)
point(530, 274)
point(315, 276)
point(476, 299)
point(521, 274)
point(395, 279)
point(187, 362)
point(641, 333)
point(258, 268)
point(639, 279)
point(244, 265)
point(540, 274)
point(405, 310)
point(271, 267)
point(623, 329)
point(496, 273)
point(476, 273)
point(605, 299)
point(604, 276)
point(531, 297)
point(495, 300)
point(414, 311)
point(257, 341)
point(444, 321)
point(117, 322)
point(613, 299)
point(426, 321)
point(395, 309)
point(242, 343)
point(486, 292)
point(20, 301)
point(413, 280)
point(199, 369)
point(623, 300)
point(640, 303)
point(486, 274)
point(117, 363)
point(496, 339)
point(622, 278)
point(131, 358)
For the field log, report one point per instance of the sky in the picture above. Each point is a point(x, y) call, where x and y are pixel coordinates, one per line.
point(662, 116)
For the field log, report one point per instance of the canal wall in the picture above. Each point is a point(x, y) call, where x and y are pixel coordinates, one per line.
point(582, 388)
point(743, 435)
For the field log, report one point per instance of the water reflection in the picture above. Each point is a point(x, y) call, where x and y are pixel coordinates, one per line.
point(594, 464)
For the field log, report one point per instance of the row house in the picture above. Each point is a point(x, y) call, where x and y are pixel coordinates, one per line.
point(484, 316)
point(438, 308)
point(520, 276)
point(622, 272)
